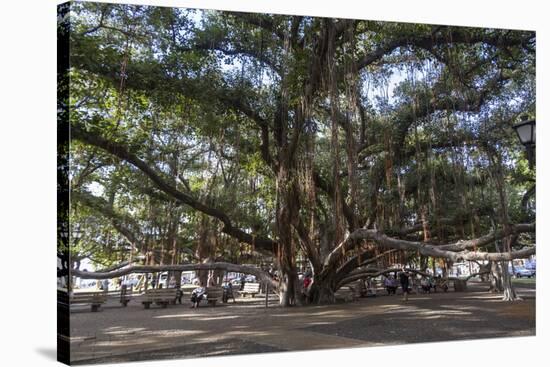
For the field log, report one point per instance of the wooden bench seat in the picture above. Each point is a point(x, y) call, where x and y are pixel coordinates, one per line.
point(95, 299)
point(123, 297)
point(250, 288)
point(213, 294)
point(161, 296)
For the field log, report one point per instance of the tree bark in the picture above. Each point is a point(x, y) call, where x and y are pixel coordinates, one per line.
point(508, 290)
point(496, 278)
point(322, 291)
point(285, 256)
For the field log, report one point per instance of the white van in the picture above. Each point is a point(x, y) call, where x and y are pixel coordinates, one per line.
point(164, 279)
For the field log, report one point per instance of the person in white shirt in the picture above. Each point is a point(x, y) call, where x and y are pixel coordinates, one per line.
point(197, 295)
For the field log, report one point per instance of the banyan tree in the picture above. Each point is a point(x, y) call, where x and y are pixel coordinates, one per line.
point(207, 137)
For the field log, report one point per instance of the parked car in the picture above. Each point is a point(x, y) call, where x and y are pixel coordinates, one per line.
point(233, 282)
point(88, 283)
point(132, 282)
point(164, 279)
point(524, 272)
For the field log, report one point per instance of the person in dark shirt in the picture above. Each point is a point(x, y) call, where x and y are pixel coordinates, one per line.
point(404, 280)
point(243, 281)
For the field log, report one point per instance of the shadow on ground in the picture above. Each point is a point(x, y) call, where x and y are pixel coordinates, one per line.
point(133, 334)
point(424, 320)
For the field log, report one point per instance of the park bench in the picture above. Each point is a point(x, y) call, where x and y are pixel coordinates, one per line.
point(358, 291)
point(213, 294)
point(123, 296)
point(161, 296)
point(250, 288)
point(95, 299)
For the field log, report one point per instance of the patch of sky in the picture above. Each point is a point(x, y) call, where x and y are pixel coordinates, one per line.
point(95, 188)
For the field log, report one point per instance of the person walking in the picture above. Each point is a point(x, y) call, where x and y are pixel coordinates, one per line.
point(404, 280)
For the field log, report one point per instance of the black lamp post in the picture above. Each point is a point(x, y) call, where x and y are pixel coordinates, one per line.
point(526, 134)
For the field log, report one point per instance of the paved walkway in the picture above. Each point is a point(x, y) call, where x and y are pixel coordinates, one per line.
point(119, 334)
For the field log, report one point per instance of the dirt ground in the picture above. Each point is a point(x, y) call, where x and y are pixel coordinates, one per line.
point(117, 334)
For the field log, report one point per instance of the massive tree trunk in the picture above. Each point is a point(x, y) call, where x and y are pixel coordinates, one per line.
point(497, 168)
point(322, 290)
point(287, 289)
point(495, 278)
point(286, 140)
point(286, 248)
point(508, 290)
point(206, 248)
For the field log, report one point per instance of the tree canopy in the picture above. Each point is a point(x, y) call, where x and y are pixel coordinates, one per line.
point(259, 138)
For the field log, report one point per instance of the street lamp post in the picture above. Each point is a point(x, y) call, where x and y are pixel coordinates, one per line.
point(527, 136)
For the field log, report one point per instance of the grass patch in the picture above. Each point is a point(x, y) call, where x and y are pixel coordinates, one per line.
point(524, 280)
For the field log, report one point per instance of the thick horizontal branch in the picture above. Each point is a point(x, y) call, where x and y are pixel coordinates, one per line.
point(375, 272)
point(488, 238)
point(263, 276)
point(121, 152)
point(355, 262)
point(402, 232)
point(477, 274)
point(114, 267)
point(427, 249)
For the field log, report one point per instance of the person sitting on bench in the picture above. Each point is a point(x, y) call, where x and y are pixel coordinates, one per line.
point(425, 284)
point(390, 285)
point(197, 295)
